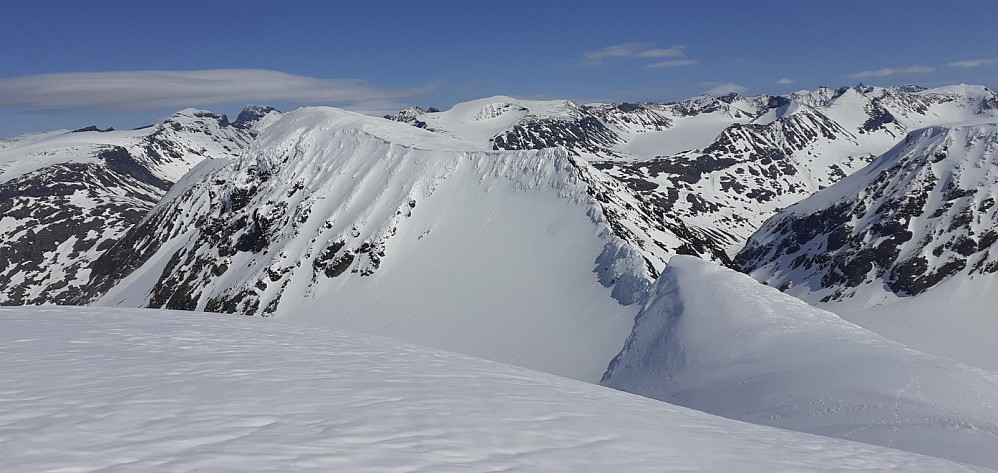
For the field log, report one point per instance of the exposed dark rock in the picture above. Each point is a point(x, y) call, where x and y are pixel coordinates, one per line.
point(252, 114)
point(120, 161)
point(92, 128)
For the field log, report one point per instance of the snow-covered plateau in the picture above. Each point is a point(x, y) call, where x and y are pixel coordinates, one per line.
point(98, 389)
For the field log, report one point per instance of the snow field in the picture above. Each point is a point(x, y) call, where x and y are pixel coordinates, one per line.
point(98, 389)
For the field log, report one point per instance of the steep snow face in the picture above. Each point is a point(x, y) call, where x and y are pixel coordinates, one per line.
point(921, 215)
point(66, 197)
point(93, 389)
point(528, 257)
point(716, 340)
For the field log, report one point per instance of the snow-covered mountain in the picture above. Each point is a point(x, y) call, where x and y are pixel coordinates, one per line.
point(362, 223)
point(88, 389)
point(717, 341)
point(921, 215)
point(719, 166)
point(691, 177)
point(65, 196)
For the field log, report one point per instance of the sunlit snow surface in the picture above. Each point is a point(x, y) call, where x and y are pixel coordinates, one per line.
point(110, 390)
point(716, 340)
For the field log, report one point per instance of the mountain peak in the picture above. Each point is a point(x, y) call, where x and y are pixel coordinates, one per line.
point(251, 114)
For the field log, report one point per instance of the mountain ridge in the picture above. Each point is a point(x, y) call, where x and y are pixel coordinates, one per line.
point(65, 197)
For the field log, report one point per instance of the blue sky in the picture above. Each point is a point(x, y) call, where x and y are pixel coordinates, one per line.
point(128, 63)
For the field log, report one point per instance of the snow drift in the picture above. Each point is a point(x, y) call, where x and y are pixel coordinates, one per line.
point(716, 340)
point(96, 389)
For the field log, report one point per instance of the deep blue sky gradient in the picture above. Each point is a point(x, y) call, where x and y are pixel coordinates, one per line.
point(464, 50)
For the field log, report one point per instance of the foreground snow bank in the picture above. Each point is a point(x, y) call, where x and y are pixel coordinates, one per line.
point(88, 389)
point(718, 341)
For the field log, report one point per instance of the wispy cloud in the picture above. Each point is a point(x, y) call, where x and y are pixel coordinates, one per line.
point(634, 50)
point(974, 63)
point(620, 50)
point(885, 72)
point(144, 90)
point(675, 51)
point(724, 88)
point(785, 81)
point(673, 63)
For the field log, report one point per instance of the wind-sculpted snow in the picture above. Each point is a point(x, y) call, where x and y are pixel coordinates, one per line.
point(89, 389)
point(716, 340)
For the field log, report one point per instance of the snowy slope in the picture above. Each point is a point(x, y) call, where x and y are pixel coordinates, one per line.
point(138, 390)
point(921, 215)
point(716, 340)
point(67, 196)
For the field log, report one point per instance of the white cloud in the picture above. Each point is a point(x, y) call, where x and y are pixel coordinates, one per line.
point(674, 51)
point(725, 88)
point(673, 63)
point(785, 81)
point(974, 63)
point(630, 50)
point(142, 90)
point(620, 50)
point(890, 72)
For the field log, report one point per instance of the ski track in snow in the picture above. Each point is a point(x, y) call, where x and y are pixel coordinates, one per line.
point(88, 389)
